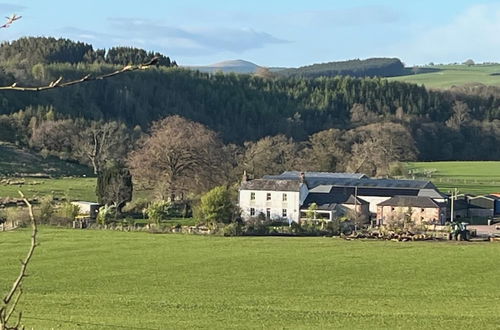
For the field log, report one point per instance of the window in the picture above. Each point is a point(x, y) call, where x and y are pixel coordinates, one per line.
point(268, 213)
point(392, 209)
point(268, 196)
point(422, 210)
point(285, 197)
point(252, 196)
point(284, 213)
point(252, 212)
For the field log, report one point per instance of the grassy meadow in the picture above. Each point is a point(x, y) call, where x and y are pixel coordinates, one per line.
point(107, 280)
point(72, 188)
point(468, 177)
point(446, 76)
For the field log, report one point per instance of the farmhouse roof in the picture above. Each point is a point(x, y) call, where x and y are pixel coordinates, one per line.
point(410, 201)
point(332, 198)
point(290, 175)
point(271, 185)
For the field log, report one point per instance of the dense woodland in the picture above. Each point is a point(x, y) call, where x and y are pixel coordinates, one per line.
point(371, 67)
point(459, 124)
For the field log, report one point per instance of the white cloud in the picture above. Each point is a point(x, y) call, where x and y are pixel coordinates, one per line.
point(475, 33)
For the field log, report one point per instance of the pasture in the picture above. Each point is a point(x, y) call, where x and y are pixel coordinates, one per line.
point(107, 280)
point(71, 188)
point(468, 177)
point(446, 76)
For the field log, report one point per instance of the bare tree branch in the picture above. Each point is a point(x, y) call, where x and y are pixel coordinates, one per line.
point(8, 305)
point(10, 20)
point(58, 82)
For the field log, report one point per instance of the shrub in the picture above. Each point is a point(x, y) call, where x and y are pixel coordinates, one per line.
point(158, 211)
point(69, 211)
point(46, 209)
point(217, 206)
point(256, 226)
point(397, 169)
point(136, 206)
point(106, 214)
point(233, 229)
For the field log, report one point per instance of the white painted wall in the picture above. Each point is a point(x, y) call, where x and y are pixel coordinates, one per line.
point(276, 204)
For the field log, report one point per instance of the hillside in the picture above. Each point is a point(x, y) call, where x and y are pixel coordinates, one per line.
point(371, 67)
point(446, 76)
point(247, 108)
point(21, 162)
point(234, 66)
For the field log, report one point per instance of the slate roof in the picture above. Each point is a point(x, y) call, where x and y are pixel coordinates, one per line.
point(271, 185)
point(315, 179)
point(410, 201)
point(323, 199)
point(432, 193)
point(290, 175)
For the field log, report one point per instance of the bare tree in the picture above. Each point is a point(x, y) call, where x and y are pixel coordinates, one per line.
point(101, 142)
point(326, 152)
point(376, 146)
point(270, 155)
point(460, 116)
point(179, 156)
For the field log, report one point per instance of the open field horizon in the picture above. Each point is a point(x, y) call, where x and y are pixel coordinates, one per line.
point(472, 177)
point(106, 279)
point(446, 76)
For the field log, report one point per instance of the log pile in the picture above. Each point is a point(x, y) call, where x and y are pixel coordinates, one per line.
point(392, 236)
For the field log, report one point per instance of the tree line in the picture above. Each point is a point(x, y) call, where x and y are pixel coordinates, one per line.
point(371, 67)
point(458, 124)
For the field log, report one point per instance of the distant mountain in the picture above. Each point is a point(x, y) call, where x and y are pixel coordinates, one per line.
point(371, 67)
point(233, 66)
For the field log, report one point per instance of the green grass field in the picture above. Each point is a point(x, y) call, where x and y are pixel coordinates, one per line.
point(455, 75)
point(72, 188)
point(468, 177)
point(108, 280)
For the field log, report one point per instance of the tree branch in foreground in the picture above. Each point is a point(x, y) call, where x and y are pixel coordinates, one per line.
point(59, 82)
point(9, 302)
point(10, 20)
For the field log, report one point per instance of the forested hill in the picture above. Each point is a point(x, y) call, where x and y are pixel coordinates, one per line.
point(26, 52)
point(452, 125)
point(372, 67)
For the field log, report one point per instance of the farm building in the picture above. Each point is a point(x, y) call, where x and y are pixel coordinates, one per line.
point(87, 208)
point(420, 210)
point(476, 206)
point(288, 196)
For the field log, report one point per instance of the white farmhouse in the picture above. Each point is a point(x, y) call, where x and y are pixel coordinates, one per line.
point(273, 199)
point(288, 196)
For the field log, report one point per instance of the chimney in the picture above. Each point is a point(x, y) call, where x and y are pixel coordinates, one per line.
point(302, 177)
point(245, 177)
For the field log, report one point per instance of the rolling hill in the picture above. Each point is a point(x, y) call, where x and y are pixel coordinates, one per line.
point(446, 76)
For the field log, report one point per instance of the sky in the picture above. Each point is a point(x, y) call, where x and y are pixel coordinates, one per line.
point(272, 33)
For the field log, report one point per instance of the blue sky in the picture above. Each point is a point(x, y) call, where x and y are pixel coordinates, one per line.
point(273, 32)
